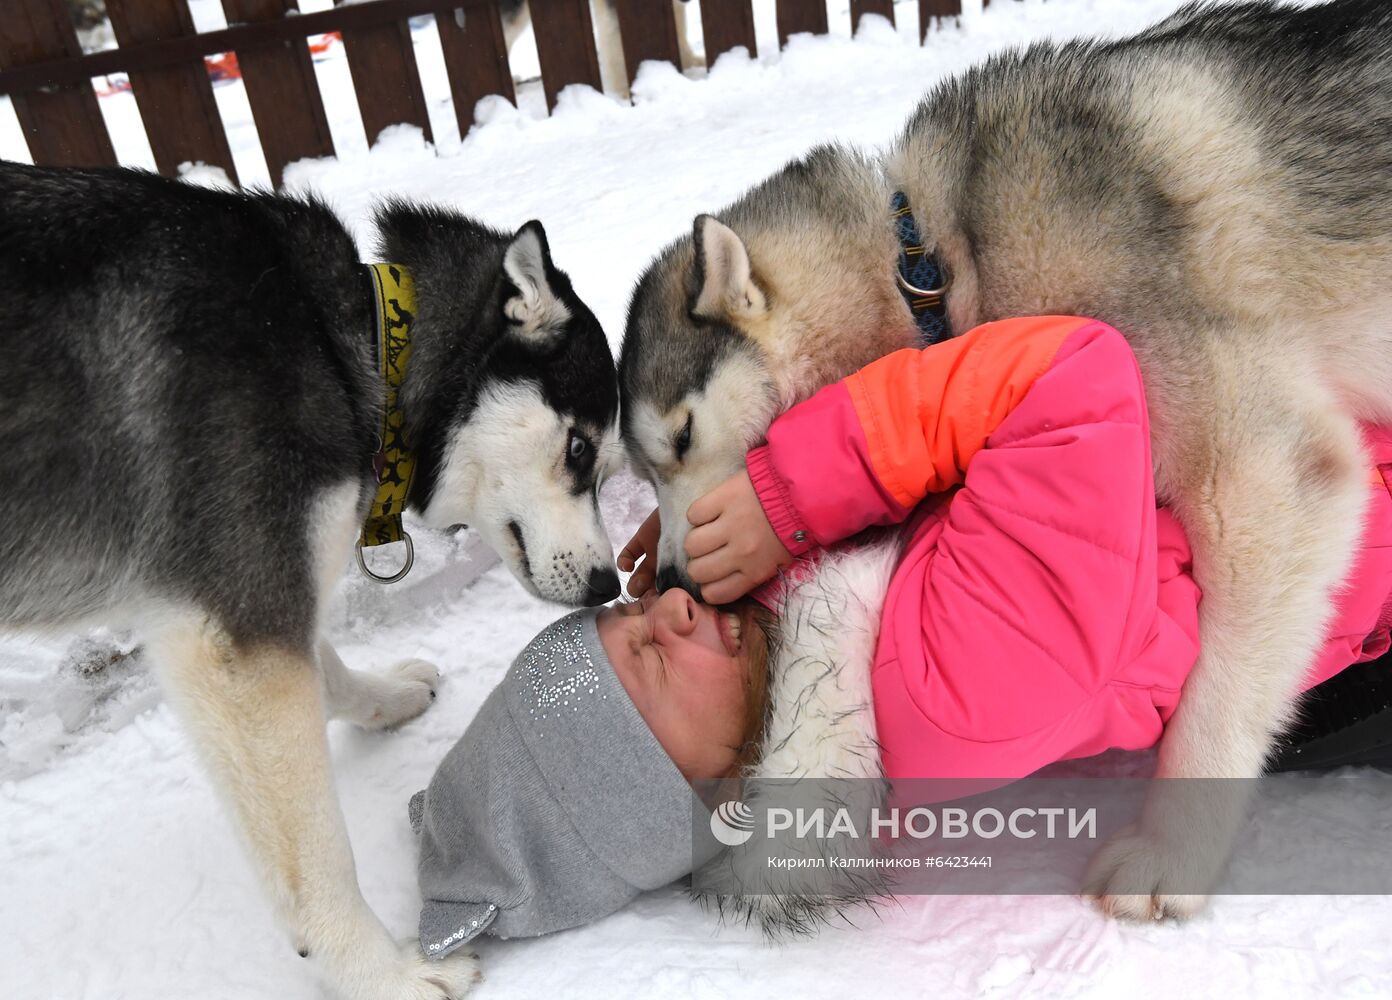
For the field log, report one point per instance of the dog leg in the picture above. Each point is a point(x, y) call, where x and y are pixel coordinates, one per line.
point(375, 701)
point(1272, 504)
point(613, 71)
point(257, 717)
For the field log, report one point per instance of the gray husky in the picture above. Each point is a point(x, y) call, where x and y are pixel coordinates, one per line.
point(1219, 188)
point(189, 415)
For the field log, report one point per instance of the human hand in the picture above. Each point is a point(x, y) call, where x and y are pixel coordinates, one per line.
point(639, 556)
point(731, 547)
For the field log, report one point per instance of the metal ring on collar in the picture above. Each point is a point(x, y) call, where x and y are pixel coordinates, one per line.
point(934, 293)
point(400, 574)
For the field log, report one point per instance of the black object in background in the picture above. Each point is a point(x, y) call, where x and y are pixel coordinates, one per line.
point(1345, 720)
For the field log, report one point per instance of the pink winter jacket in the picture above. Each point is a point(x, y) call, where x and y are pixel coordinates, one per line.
point(1044, 607)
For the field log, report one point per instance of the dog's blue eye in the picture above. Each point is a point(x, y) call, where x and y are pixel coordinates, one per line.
point(578, 447)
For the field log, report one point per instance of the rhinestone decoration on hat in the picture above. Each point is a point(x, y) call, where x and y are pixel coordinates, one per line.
point(557, 650)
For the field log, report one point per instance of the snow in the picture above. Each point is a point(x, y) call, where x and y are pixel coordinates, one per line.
point(122, 878)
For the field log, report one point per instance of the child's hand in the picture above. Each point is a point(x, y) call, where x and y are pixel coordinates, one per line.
point(731, 547)
point(642, 546)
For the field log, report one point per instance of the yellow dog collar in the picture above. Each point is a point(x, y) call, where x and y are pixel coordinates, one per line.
point(393, 464)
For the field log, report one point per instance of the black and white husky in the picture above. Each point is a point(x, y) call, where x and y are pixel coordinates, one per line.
point(1218, 188)
point(189, 414)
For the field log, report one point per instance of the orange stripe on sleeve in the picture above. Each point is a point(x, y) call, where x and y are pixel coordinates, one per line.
point(926, 412)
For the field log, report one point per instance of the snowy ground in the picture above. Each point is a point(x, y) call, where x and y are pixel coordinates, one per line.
point(121, 878)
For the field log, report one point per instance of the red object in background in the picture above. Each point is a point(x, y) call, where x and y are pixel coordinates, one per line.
point(223, 67)
point(322, 43)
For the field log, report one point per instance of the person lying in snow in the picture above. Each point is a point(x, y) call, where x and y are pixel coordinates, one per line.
point(1034, 604)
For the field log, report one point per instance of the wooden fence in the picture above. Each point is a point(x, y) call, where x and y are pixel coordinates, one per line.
point(49, 80)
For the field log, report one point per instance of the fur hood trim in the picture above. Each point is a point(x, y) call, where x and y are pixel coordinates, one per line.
point(821, 724)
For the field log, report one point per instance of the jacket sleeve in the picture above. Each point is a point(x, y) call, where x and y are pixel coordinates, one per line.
point(1045, 609)
point(867, 449)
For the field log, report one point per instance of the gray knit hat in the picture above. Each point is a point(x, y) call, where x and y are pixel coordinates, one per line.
point(555, 808)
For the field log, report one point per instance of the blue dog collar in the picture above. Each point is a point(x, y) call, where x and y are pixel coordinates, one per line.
point(922, 278)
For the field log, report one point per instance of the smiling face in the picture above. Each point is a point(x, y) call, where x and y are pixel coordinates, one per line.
point(686, 667)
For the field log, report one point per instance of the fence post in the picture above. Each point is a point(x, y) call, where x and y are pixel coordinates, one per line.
point(859, 8)
point(382, 63)
point(476, 59)
point(649, 31)
point(727, 24)
point(282, 90)
point(565, 45)
point(176, 102)
point(930, 9)
point(62, 125)
point(801, 15)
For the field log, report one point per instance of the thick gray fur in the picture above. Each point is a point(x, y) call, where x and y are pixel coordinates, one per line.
point(1219, 189)
point(189, 410)
point(189, 369)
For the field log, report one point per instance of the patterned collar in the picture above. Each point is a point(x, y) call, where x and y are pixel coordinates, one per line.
point(394, 465)
point(921, 276)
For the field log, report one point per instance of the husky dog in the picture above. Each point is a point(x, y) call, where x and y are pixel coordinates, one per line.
point(189, 412)
point(517, 15)
point(1219, 188)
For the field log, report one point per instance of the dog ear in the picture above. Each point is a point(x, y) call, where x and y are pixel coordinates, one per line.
point(536, 313)
point(724, 284)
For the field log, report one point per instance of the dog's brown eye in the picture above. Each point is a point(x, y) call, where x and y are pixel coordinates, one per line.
point(682, 442)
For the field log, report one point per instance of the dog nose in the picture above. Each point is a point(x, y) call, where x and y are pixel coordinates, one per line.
point(669, 577)
point(602, 587)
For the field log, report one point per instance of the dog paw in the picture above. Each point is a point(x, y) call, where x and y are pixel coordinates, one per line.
point(448, 978)
point(409, 975)
point(1136, 876)
point(403, 692)
point(418, 671)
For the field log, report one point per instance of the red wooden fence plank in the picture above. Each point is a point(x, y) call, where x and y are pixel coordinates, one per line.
point(382, 63)
point(649, 31)
point(63, 125)
point(801, 15)
point(727, 24)
point(565, 45)
point(282, 91)
point(176, 103)
point(476, 59)
point(885, 8)
point(929, 9)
